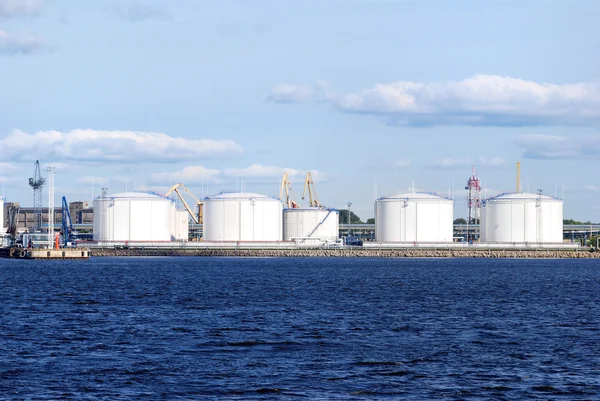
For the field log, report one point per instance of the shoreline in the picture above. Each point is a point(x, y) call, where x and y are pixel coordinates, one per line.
point(354, 252)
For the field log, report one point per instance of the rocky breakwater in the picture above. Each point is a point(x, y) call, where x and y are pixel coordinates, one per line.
point(353, 252)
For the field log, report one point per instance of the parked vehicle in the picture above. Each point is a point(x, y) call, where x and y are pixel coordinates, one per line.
point(354, 241)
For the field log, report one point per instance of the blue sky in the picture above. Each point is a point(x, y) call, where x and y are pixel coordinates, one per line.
point(370, 96)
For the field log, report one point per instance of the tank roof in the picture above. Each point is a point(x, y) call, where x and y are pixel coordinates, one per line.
point(310, 208)
point(415, 195)
point(522, 196)
point(241, 195)
point(135, 195)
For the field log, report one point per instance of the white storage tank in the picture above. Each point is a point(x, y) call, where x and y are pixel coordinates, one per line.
point(239, 216)
point(133, 216)
point(522, 218)
point(414, 217)
point(313, 222)
point(180, 226)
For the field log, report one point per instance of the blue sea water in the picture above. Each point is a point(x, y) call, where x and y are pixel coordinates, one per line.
point(299, 328)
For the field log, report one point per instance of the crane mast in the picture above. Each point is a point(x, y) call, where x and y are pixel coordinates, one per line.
point(286, 186)
point(518, 177)
point(309, 186)
point(196, 217)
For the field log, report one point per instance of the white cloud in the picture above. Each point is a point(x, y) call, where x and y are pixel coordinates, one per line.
point(555, 147)
point(6, 167)
point(592, 188)
point(91, 180)
point(258, 171)
point(400, 164)
point(448, 162)
point(13, 44)
point(138, 12)
point(19, 8)
point(286, 93)
point(490, 162)
point(188, 176)
point(488, 100)
point(87, 145)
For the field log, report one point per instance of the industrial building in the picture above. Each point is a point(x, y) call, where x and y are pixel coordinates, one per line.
point(414, 217)
point(26, 217)
point(522, 218)
point(239, 216)
point(138, 216)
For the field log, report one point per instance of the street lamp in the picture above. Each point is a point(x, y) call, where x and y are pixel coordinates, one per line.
point(349, 204)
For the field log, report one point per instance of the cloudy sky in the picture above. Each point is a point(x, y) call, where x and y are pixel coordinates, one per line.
point(371, 96)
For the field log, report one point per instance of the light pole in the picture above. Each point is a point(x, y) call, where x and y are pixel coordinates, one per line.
point(349, 204)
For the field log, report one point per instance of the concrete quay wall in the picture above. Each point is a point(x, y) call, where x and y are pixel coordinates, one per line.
point(380, 253)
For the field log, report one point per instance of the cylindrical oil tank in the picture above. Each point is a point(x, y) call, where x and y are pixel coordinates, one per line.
point(522, 218)
point(312, 222)
point(179, 224)
point(414, 217)
point(240, 216)
point(133, 216)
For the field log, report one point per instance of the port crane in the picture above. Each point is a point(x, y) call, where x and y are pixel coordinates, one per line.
point(309, 186)
point(287, 187)
point(13, 222)
point(196, 217)
point(69, 235)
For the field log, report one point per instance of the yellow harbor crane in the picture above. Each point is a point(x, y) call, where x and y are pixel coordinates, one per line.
point(196, 217)
point(312, 192)
point(518, 177)
point(286, 187)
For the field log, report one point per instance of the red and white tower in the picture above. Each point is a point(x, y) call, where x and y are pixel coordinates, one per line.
point(474, 198)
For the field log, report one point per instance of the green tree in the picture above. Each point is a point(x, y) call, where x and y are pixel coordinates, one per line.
point(371, 220)
point(575, 222)
point(354, 219)
point(460, 220)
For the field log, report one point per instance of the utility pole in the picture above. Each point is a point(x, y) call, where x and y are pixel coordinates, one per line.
point(50, 207)
point(349, 204)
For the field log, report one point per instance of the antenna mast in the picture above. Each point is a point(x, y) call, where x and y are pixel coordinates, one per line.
point(37, 182)
point(474, 197)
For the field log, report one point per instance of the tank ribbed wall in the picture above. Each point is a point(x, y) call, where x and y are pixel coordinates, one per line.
point(522, 218)
point(319, 223)
point(414, 217)
point(242, 217)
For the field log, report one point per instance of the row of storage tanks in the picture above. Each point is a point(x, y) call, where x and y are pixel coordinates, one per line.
point(143, 216)
point(407, 217)
point(507, 218)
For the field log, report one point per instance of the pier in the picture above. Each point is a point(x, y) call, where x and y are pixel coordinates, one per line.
point(41, 253)
point(354, 252)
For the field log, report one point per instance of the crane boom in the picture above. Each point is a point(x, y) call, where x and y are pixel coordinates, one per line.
point(286, 186)
point(175, 188)
point(309, 185)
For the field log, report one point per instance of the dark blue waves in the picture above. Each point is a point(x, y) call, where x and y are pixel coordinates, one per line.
point(229, 328)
